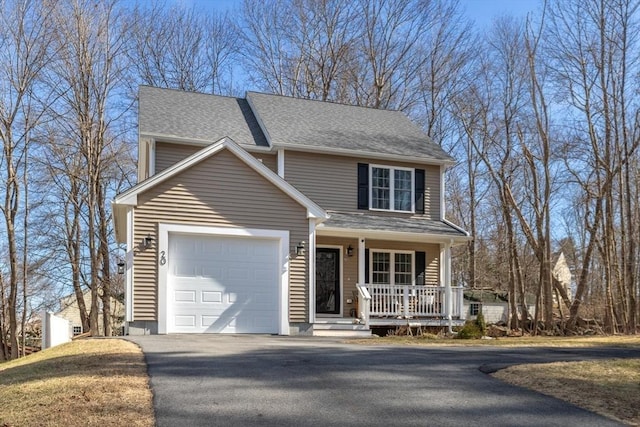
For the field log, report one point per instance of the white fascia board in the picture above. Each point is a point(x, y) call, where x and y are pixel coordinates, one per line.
point(119, 213)
point(142, 158)
point(363, 154)
point(392, 235)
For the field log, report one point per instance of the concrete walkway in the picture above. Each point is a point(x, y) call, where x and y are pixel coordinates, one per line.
point(250, 380)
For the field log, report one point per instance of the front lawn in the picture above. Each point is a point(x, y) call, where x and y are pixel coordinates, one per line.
point(93, 382)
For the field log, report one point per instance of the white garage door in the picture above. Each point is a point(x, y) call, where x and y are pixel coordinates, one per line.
point(220, 284)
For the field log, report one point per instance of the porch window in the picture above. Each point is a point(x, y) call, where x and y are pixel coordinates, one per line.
point(392, 267)
point(392, 188)
point(475, 308)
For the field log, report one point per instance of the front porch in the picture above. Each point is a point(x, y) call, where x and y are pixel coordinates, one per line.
point(374, 270)
point(383, 305)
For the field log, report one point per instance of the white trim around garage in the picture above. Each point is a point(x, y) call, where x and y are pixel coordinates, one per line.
point(129, 268)
point(163, 250)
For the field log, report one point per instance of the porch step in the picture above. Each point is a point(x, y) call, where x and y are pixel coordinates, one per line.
point(340, 328)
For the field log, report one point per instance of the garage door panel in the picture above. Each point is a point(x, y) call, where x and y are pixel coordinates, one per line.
point(221, 284)
point(211, 297)
point(185, 296)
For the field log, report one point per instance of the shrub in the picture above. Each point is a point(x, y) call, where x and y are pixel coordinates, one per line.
point(469, 331)
point(473, 329)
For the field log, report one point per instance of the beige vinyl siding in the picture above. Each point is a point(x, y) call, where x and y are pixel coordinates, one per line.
point(267, 159)
point(168, 154)
point(432, 192)
point(349, 267)
point(350, 264)
point(432, 251)
point(221, 191)
point(332, 181)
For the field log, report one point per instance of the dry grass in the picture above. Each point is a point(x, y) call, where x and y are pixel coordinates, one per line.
point(609, 387)
point(537, 341)
point(95, 382)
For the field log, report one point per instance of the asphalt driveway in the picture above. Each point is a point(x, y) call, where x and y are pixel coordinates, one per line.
point(222, 380)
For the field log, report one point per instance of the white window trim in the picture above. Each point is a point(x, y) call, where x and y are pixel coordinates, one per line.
point(392, 169)
point(477, 305)
point(392, 264)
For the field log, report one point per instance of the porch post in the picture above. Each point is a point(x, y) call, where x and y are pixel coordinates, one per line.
point(311, 268)
point(446, 261)
point(361, 261)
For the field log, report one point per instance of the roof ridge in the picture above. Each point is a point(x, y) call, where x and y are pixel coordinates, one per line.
point(324, 101)
point(189, 92)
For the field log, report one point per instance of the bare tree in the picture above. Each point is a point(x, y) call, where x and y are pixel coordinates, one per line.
point(91, 40)
point(181, 48)
point(594, 53)
point(24, 54)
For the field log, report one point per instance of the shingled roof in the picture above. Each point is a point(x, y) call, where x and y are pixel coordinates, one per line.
point(368, 222)
point(263, 120)
point(303, 123)
point(197, 116)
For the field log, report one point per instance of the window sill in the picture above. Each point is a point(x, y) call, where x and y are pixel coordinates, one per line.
point(392, 211)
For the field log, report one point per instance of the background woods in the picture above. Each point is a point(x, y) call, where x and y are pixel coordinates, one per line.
point(542, 113)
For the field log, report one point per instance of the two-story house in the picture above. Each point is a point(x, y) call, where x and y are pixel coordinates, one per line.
point(271, 214)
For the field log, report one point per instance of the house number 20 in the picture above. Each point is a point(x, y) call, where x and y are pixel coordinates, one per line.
point(163, 258)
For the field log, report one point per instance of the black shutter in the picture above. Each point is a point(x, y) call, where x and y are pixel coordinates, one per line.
point(366, 266)
point(421, 265)
point(419, 190)
point(363, 186)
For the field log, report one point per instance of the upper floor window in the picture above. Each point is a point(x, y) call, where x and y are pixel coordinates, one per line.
point(392, 188)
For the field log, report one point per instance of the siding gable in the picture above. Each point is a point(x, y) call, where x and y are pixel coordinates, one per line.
point(168, 154)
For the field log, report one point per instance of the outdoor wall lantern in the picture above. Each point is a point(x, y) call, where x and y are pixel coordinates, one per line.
point(350, 251)
point(120, 267)
point(300, 248)
point(147, 241)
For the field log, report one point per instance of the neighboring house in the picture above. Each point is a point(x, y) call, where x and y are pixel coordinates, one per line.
point(69, 310)
point(493, 304)
point(562, 273)
point(270, 214)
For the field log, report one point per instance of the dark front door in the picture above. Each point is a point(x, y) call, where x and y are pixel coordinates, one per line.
point(327, 281)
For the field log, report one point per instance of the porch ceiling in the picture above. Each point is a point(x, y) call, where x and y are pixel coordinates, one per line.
point(359, 224)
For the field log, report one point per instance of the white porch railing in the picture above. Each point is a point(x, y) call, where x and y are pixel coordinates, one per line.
point(364, 304)
point(408, 301)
